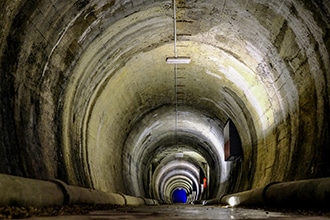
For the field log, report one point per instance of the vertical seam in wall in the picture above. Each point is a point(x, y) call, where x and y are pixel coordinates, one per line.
point(123, 197)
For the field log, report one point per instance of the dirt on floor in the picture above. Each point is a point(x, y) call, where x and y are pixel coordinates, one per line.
point(11, 212)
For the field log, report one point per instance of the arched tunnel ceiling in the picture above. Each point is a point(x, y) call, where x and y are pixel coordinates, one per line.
point(81, 77)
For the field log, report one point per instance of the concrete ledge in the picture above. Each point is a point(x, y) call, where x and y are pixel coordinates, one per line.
point(313, 193)
point(131, 200)
point(19, 191)
point(148, 201)
point(117, 199)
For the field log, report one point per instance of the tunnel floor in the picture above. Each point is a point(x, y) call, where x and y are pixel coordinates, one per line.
point(189, 212)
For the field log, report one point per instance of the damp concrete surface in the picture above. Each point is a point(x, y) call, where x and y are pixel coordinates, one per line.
point(182, 211)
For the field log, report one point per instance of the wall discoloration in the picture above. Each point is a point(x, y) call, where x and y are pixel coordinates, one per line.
point(77, 77)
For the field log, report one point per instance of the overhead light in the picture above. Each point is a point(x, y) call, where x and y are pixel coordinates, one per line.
point(178, 60)
point(179, 155)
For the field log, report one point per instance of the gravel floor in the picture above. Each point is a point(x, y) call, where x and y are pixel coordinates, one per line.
point(9, 212)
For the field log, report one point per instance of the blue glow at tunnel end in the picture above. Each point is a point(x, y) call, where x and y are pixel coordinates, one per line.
point(179, 196)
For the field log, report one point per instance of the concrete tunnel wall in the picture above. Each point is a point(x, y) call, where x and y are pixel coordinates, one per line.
point(78, 78)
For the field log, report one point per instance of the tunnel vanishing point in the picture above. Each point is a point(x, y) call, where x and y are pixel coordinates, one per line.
point(88, 98)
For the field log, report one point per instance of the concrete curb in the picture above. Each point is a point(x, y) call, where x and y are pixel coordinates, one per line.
point(19, 191)
point(313, 193)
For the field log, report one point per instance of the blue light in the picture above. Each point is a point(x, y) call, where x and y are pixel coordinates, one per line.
point(179, 196)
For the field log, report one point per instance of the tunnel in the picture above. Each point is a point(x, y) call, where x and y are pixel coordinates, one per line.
point(88, 98)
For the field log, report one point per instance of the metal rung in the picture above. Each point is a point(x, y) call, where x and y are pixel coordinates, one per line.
point(185, 7)
point(184, 21)
point(183, 34)
point(180, 93)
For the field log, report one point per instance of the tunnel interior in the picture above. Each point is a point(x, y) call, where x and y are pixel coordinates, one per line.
point(88, 98)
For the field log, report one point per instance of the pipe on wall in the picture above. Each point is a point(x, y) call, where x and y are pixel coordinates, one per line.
point(312, 193)
point(19, 191)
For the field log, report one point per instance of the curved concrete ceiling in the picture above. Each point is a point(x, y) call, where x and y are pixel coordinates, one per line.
point(87, 97)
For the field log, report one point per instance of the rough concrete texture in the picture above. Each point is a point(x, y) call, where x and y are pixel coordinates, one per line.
point(192, 212)
point(78, 78)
